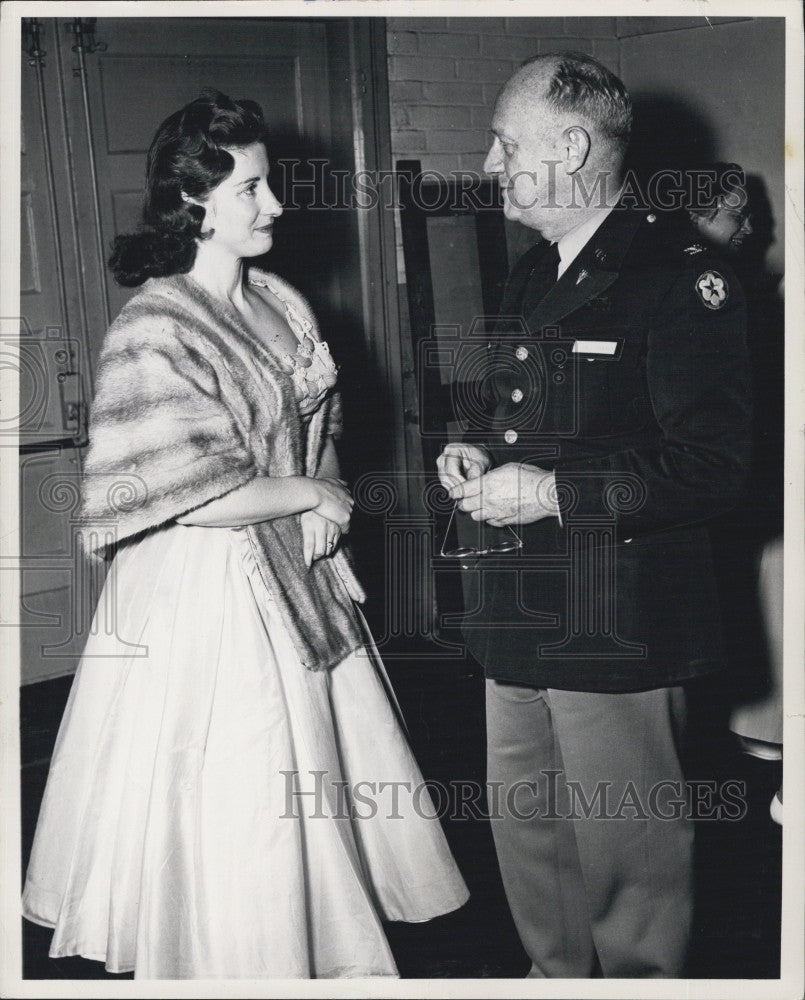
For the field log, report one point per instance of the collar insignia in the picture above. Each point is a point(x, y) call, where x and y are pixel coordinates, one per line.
point(582, 275)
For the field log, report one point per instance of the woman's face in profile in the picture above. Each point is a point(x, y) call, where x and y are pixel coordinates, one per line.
point(730, 225)
point(242, 209)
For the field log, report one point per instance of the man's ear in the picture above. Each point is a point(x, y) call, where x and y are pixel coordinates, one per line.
point(575, 147)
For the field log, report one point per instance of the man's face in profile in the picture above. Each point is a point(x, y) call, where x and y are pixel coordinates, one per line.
point(524, 156)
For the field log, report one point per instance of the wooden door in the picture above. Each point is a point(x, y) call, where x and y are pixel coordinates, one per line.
point(54, 368)
point(90, 109)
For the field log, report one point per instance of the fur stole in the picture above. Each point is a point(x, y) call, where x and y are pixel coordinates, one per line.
point(188, 406)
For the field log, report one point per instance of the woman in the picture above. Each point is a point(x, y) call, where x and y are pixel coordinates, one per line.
point(724, 222)
point(198, 819)
point(723, 219)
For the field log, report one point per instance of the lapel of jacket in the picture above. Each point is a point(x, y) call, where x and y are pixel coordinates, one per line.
point(592, 272)
point(518, 279)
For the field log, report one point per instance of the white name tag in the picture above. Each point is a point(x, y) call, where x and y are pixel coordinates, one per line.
point(595, 346)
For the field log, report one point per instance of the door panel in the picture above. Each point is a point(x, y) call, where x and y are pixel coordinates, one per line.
point(168, 82)
point(52, 374)
point(44, 323)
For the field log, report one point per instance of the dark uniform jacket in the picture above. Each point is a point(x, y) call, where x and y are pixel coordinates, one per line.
point(630, 379)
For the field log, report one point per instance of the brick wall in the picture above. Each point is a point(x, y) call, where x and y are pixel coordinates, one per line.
point(445, 72)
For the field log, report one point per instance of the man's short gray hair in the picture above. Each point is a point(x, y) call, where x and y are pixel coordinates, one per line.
point(580, 84)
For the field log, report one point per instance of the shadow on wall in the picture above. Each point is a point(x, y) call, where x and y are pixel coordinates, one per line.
point(667, 135)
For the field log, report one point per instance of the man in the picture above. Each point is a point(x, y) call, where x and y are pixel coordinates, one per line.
point(618, 423)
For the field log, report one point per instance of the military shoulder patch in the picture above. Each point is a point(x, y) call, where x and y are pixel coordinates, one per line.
point(712, 289)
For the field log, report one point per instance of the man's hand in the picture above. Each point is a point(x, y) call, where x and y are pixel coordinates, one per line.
point(461, 462)
point(320, 536)
point(511, 494)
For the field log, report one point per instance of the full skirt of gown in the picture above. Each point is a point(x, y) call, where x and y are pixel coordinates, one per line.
point(215, 810)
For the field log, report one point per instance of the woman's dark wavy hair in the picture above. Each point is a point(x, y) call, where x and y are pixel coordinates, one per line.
point(188, 154)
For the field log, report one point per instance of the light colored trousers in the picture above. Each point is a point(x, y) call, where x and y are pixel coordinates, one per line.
point(612, 887)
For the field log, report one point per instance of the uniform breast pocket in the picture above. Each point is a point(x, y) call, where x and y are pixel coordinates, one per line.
point(611, 386)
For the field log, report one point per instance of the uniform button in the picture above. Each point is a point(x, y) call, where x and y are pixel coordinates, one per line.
point(510, 437)
point(521, 353)
point(517, 395)
point(651, 217)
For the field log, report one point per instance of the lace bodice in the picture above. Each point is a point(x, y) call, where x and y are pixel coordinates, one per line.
point(312, 369)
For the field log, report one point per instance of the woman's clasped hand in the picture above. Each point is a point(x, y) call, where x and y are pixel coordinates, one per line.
point(324, 524)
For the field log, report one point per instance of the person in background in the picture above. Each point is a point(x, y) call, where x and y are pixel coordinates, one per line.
point(722, 219)
point(719, 212)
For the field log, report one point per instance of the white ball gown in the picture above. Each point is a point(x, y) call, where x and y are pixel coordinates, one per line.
point(197, 820)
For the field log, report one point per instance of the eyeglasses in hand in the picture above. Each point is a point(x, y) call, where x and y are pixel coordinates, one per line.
point(465, 552)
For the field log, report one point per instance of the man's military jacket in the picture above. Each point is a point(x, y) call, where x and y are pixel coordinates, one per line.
point(630, 380)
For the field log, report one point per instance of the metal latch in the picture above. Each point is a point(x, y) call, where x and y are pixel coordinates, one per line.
point(73, 408)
